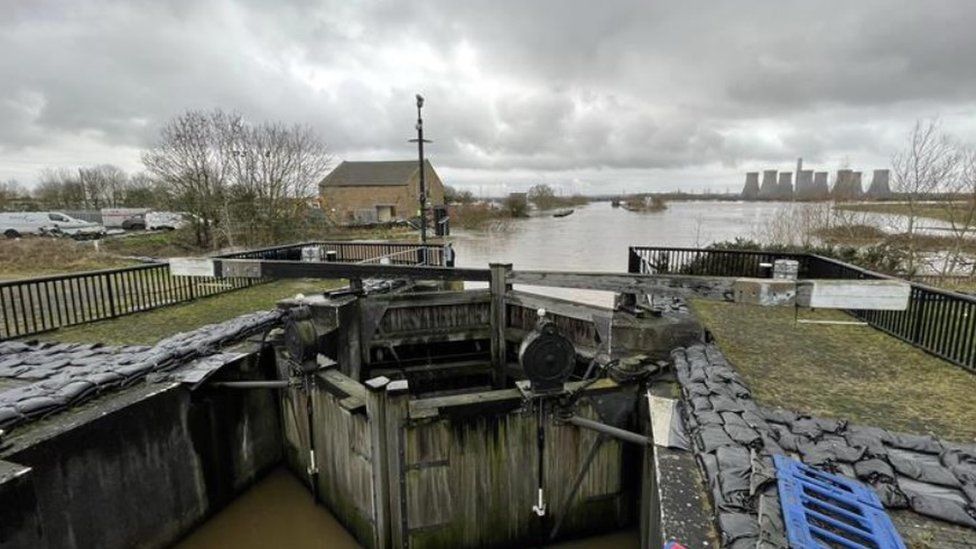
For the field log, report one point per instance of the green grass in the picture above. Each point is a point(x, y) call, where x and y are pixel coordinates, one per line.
point(30, 257)
point(149, 327)
point(855, 373)
point(159, 244)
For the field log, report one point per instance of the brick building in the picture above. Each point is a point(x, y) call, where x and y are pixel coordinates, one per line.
point(370, 192)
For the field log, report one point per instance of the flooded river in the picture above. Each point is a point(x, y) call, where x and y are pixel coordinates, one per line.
point(596, 237)
point(278, 511)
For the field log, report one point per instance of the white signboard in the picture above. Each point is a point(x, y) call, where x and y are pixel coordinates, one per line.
point(874, 295)
point(191, 266)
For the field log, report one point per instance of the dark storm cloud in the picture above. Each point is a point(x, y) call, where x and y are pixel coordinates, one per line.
point(545, 90)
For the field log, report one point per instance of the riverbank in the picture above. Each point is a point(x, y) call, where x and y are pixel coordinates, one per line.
point(854, 373)
point(962, 214)
point(39, 256)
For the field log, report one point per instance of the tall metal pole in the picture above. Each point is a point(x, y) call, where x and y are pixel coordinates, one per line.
point(423, 179)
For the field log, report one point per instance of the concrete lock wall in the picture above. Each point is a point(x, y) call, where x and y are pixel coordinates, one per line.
point(142, 468)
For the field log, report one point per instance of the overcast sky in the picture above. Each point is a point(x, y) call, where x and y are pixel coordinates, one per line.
point(593, 96)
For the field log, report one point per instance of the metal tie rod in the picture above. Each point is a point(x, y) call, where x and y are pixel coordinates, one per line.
point(255, 384)
point(609, 430)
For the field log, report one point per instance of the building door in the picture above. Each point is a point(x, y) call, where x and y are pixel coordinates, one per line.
point(385, 213)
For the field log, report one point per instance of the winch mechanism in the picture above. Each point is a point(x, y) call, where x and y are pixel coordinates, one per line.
point(547, 357)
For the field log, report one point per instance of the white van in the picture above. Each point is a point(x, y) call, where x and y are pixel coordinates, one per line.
point(125, 218)
point(16, 224)
point(165, 220)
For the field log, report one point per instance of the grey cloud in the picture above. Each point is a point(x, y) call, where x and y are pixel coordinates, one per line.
point(549, 87)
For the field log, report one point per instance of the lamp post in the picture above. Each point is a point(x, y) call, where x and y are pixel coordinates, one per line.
point(423, 183)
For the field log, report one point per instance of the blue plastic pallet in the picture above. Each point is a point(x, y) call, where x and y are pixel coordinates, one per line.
point(826, 510)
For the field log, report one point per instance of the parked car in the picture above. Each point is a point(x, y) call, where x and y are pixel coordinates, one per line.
point(17, 224)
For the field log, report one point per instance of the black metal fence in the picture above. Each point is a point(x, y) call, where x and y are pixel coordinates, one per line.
point(939, 321)
point(34, 305)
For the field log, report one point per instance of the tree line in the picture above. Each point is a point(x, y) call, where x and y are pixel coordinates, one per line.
point(242, 183)
point(84, 188)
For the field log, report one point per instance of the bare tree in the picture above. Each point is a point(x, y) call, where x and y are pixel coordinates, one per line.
point(190, 159)
point(10, 191)
point(245, 182)
point(543, 196)
point(959, 211)
point(60, 188)
point(104, 186)
point(142, 191)
point(929, 163)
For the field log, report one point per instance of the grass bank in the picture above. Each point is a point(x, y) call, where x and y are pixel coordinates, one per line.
point(481, 215)
point(949, 211)
point(855, 373)
point(26, 257)
point(149, 327)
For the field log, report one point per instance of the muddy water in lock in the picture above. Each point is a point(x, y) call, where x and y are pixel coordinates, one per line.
point(278, 512)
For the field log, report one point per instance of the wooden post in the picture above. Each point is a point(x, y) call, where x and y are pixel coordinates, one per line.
point(376, 404)
point(356, 284)
point(649, 521)
point(350, 348)
point(633, 261)
point(499, 347)
point(397, 400)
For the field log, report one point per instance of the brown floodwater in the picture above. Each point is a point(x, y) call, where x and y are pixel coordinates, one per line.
point(278, 511)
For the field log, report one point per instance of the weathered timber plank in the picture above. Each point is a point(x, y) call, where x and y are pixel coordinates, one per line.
point(427, 443)
point(343, 457)
point(556, 306)
point(343, 383)
point(427, 299)
point(376, 415)
point(446, 317)
point(265, 268)
point(499, 346)
point(431, 336)
point(473, 399)
point(466, 367)
point(709, 287)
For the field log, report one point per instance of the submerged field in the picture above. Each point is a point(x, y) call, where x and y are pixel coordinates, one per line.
point(961, 213)
point(846, 372)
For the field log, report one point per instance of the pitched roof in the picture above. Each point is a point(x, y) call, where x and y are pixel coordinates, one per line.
point(389, 173)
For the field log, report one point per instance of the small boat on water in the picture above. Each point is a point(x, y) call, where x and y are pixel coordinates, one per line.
point(563, 213)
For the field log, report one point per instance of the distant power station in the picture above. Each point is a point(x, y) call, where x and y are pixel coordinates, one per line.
point(811, 185)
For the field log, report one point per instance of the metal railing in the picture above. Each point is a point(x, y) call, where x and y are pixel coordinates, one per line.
point(941, 322)
point(34, 305)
